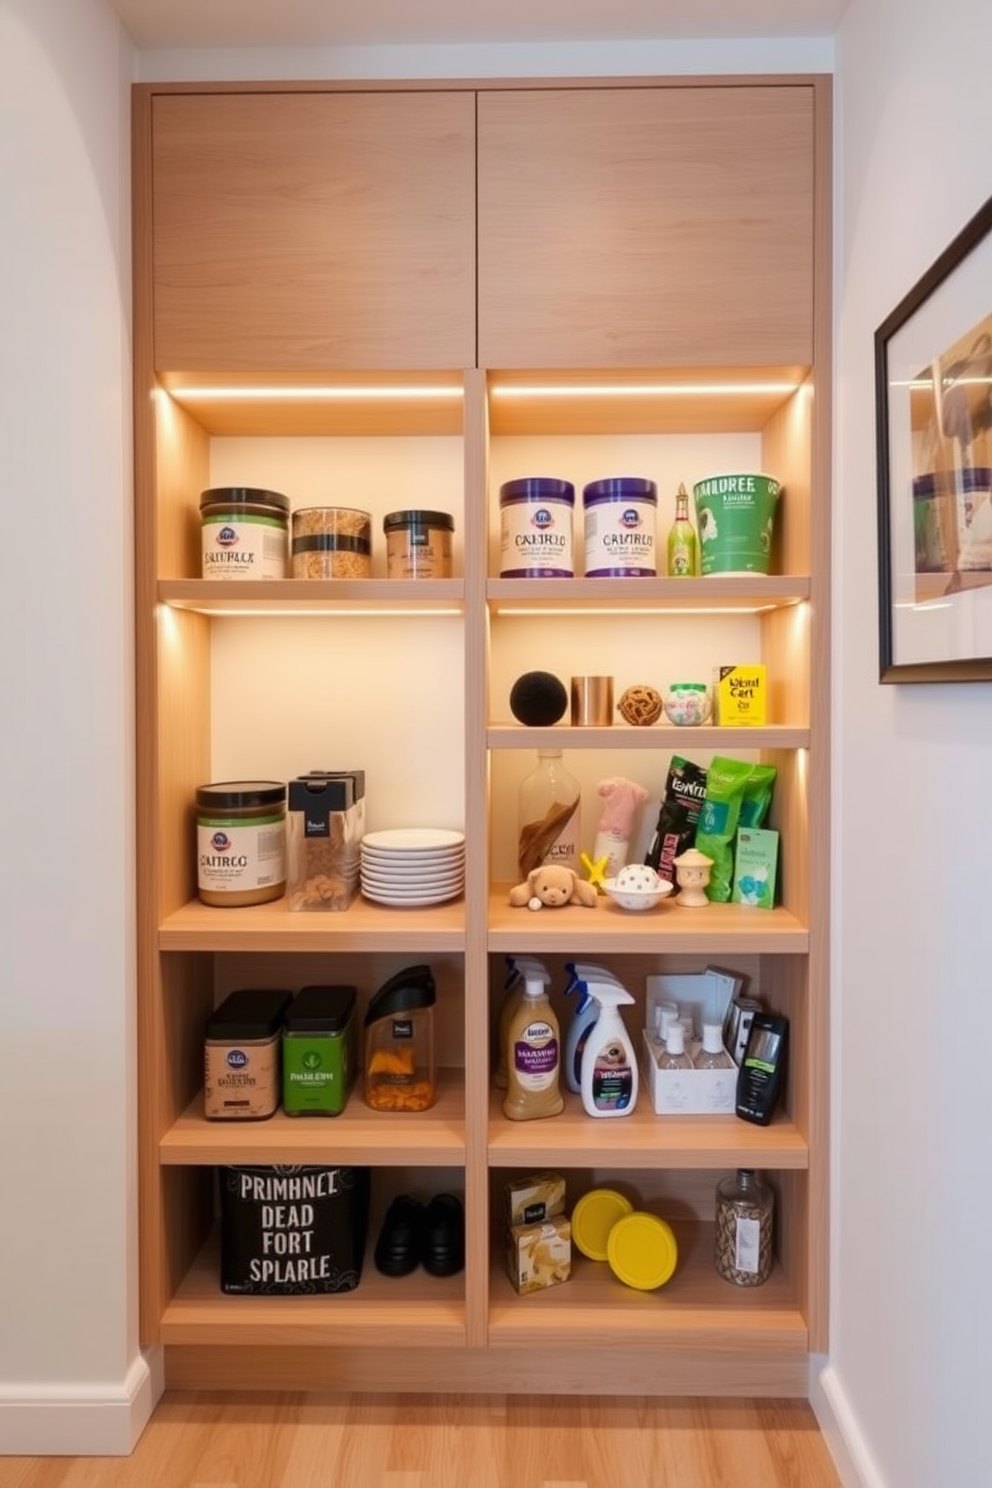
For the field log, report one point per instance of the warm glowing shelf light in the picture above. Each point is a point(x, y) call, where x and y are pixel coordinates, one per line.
point(347, 611)
point(321, 393)
point(597, 610)
point(642, 389)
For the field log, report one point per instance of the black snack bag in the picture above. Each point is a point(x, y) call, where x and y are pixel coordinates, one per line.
point(292, 1230)
point(681, 806)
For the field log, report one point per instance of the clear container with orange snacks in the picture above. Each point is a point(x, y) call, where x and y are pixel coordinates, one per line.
point(399, 1043)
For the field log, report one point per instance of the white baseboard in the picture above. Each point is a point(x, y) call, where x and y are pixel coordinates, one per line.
point(854, 1463)
point(69, 1420)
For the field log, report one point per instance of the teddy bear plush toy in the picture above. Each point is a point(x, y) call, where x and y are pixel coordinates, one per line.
point(550, 886)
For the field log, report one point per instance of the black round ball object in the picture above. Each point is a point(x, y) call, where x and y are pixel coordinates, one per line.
point(538, 699)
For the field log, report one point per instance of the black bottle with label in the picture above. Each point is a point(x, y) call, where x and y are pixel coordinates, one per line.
point(762, 1071)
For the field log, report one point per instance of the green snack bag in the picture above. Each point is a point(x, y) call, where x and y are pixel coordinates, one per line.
point(757, 795)
point(718, 821)
point(755, 866)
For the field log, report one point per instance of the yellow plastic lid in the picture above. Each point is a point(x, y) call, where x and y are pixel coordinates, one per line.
point(593, 1218)
point(642, 1251)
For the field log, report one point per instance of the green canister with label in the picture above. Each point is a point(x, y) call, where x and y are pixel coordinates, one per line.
point(318, 1051)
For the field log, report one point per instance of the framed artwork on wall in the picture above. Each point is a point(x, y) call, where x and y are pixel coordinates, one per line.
point(933, 422)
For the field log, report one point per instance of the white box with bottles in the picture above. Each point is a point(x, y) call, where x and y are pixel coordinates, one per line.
point(690, 1092)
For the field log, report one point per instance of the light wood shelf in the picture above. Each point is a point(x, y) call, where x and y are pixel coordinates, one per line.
point(642, 1140)
point(719, 594)
point(717, 930)
point(384, 1311)
point(750, 593)
point(723, 929)
point(312, 596)
point(363, 926)
point(696, 1309)
point(357, 1136)
point(656, 736)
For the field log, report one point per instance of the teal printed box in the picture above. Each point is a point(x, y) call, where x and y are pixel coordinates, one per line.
point(755, 867)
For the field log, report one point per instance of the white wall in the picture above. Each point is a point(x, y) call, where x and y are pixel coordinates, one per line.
point(496, 59)
point(913, 785)
point(70, 1374)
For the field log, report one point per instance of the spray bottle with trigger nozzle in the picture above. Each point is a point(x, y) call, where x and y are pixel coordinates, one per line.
point(581, 973)
point(609, 1065)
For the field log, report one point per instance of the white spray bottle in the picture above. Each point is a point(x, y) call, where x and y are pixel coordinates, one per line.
point(609, 1063)
point(581, 973)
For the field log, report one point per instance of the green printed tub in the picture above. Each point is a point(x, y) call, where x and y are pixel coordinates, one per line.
point(735, 514)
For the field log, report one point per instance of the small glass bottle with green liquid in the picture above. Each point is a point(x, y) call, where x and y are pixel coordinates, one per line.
point(683, 544)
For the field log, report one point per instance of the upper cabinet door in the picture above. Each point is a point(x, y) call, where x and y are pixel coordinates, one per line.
point(646, 226)
point(314, 231)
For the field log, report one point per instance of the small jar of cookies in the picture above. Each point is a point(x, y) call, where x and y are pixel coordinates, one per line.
point(331, 542)
point(325, 825)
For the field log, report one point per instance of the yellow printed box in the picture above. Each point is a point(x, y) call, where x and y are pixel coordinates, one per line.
point(530, 1200)
point(740, 696)
point(539, 1255)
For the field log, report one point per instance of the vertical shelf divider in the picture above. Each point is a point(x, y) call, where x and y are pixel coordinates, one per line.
point(818, 824)
point(476, 661)
point(150, 1288)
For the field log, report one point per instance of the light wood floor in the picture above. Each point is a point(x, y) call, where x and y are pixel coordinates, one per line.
point(375, 1441)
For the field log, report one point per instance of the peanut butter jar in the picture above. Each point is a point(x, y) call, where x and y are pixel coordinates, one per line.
point(241, 842)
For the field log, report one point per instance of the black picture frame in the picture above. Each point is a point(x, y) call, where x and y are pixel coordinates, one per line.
point(933, 426)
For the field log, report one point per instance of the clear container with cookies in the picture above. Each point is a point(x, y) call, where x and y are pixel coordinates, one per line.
point(399, 1043)
point(331, 542)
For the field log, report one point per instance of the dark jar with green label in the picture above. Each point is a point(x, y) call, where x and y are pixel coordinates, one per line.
point(318, 1051)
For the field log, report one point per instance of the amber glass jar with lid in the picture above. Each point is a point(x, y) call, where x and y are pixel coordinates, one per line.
point(418, 544)
point(241, 842)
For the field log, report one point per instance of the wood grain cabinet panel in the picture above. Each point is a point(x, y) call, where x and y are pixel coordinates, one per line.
point(646, 226)
point(627, 234)
point(314, 231)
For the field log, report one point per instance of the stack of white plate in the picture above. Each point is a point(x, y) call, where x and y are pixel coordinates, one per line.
point(412, 866)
